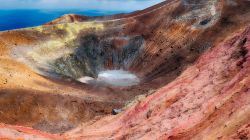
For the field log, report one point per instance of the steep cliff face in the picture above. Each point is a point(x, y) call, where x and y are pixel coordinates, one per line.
point(191, 58)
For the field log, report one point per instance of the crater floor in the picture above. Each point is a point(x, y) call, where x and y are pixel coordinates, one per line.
point(117, 78)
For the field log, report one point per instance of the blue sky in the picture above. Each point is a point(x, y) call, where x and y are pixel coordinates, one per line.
point(113, 5)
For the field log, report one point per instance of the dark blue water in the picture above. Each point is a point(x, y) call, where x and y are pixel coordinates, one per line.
point(15, 19)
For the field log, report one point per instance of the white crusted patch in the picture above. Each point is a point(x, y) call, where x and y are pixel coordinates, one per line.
point(118, 78)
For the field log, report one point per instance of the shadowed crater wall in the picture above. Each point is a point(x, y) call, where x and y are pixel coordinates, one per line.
point(96, 54)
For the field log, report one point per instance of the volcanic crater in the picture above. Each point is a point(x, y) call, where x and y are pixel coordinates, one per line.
point(176, 70)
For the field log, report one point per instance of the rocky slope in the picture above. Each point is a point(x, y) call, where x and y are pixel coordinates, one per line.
point(192, 59)
point(68, 18)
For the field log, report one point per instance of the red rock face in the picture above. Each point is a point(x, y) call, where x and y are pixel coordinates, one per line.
point(194, 55)
point(18, 132)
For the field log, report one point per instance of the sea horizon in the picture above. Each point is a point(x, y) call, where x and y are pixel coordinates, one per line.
point(25, 18)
